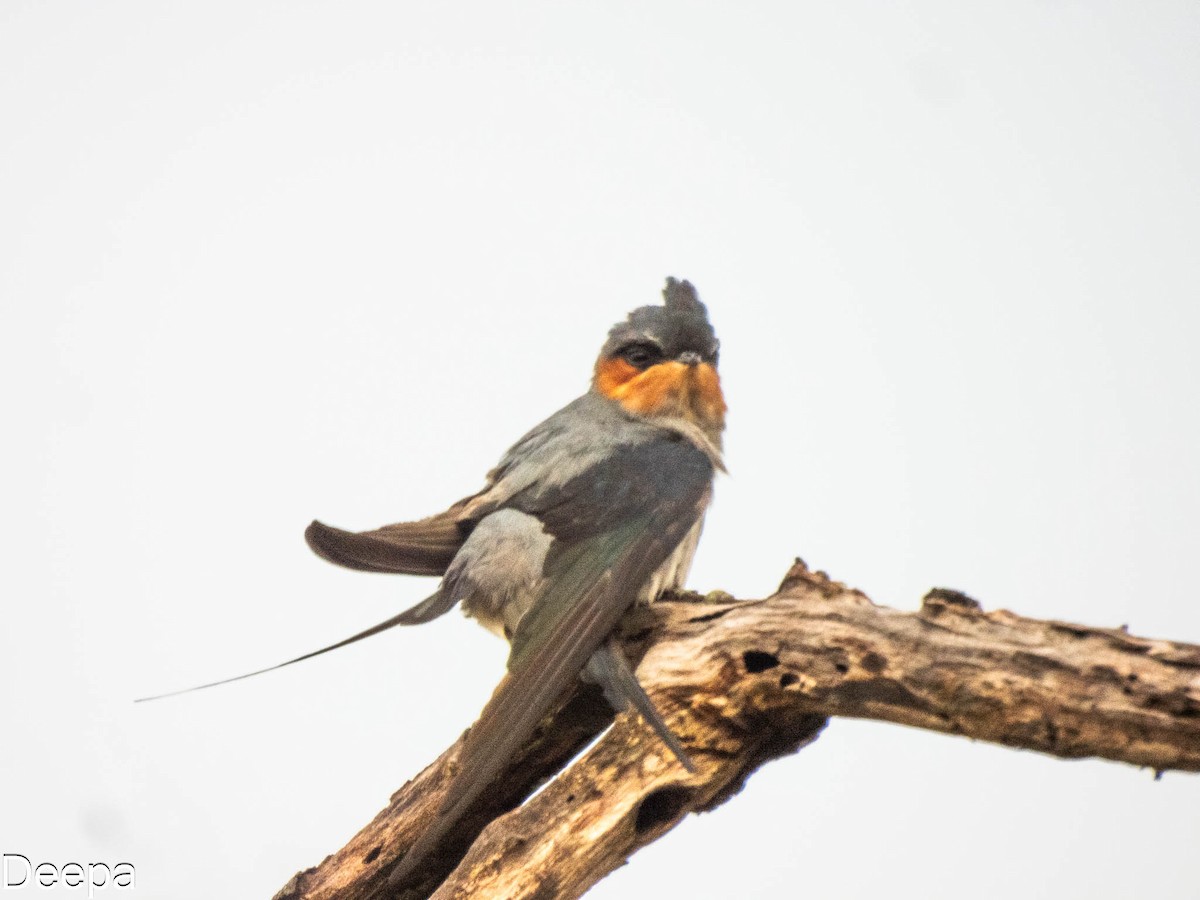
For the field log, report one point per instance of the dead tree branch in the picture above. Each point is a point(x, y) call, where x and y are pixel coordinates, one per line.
point(745, 682)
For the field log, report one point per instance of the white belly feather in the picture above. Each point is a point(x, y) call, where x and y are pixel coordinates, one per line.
point(672, 574)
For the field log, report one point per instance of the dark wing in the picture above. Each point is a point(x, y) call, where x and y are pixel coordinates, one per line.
point(406, 548)
point(426, 547)
point(614, 525)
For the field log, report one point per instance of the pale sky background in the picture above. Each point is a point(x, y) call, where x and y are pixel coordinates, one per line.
point(264, 262)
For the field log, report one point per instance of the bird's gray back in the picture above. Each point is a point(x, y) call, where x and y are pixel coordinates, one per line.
point(584, 470)
point(580, 436)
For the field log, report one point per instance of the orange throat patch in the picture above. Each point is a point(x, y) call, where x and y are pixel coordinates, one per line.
point(666, 390)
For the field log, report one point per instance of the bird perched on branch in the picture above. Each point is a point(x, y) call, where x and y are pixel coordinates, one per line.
point(598, 507)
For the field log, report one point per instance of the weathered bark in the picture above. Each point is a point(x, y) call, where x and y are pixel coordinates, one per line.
point(745, 682)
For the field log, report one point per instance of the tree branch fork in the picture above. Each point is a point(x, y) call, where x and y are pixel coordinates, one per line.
point(744, 682)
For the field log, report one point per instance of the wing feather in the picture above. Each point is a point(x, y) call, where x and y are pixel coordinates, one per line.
point(406, 548)
point(606, 552)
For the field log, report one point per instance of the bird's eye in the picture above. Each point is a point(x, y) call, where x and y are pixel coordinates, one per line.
point(641, 356)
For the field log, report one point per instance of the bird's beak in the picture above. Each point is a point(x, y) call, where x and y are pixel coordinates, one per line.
point(689, 358)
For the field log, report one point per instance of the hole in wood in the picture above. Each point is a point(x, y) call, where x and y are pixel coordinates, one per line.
point(758, 661)
point(661, 808)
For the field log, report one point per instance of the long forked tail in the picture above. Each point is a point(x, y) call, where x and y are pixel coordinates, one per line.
point(429, 608)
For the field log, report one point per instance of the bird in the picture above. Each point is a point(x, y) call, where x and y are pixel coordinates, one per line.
point(595, 509)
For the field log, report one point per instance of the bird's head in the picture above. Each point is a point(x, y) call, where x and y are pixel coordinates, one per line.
point(661, 363)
